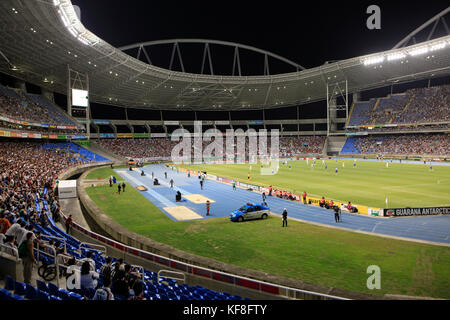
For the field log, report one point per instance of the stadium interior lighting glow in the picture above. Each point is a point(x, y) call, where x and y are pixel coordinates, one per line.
point(438, 46)
point(418, 51)
point(373, 60)
point(396, 56)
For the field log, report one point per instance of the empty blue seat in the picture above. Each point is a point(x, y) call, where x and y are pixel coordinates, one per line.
point(5, 294)
point(19, 288)
point(17, 297)
point(75, 296)
point(55, 298)
point(41, 286)
point(9, 283)
point(42, 295)
point(63, 294)
point(53, 289)
point(30, 292)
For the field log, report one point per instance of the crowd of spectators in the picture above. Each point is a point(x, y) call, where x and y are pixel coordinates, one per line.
point(408, 144)
point(162, 147)
point(28, 172)
point(19, 106)
point(415, 106)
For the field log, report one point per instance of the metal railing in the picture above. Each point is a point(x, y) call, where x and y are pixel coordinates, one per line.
point(52, 237)
point(95, 247)
point(8, 250)
point(171, 277)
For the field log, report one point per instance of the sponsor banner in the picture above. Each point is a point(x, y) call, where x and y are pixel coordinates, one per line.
point(171, 123)
point(255, 122)
point(24, 135)
point(37, 136)
point(125, 135)
point(141, 135)
point(158, 135)
point(62, 136)
point(44, 125)
point(375, 212)
point(77, 137)
point(107, 135)
point(249, 186)
point(53, 136)
point(61, 127)
point(104, 122)
point(224, 180)
point(222, 123)
point(44, 136)
point(400, 212)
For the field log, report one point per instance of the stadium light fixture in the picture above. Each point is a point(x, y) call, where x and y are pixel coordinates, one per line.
point(373, 60)
point(438, 46)
point(418, 51)
point(396, 56)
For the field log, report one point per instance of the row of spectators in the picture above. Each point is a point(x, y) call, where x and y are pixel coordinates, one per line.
point(15, 104)
point(421, 105)
point(419, 127)
point(408, 144)
point(33, 129)
point(162, 147)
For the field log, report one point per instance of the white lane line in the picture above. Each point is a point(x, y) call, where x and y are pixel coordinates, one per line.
point(166, 202)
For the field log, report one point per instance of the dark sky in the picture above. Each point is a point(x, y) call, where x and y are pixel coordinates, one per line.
point(306, 32)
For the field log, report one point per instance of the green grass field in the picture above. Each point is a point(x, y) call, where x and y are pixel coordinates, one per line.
point(405, 185)
point(103, 173)
point(305, 252)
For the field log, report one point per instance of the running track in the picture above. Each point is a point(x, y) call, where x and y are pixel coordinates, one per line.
point(428, 228)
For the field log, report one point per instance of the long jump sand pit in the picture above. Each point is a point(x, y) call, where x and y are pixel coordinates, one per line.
point(182, 213)
point(197, 198)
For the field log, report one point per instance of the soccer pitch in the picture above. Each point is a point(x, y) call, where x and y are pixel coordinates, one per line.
point(369, 183)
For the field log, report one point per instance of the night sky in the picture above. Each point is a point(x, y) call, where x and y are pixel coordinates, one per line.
point(306, 32)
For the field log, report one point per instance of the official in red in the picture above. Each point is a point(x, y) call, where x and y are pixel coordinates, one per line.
point(322, 202)
point(304, 197)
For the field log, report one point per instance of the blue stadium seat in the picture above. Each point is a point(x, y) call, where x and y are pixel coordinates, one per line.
point(5, 295)
point(53, 289)
point(63, 294)
point(42, 295)
point(9, 283)
point(30, 292)
point(75, 296)
point(20, 288)
point(17, 297)
point(42, 286)
point(55, 298)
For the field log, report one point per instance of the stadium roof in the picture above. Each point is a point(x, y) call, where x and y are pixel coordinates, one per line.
point(40, 39)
